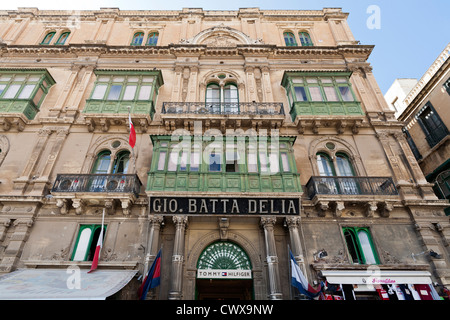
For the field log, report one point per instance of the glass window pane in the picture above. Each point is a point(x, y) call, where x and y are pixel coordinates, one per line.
point(252, 162)
point(300, 94)
point(99, 91)
point(144, 93)
point(324, 166)
point(147, 79)
point(285, 162)
point(102, 164)
point(366, 247)
point(330, 93)
point(162, 160)
point(173, 161)
point(346, 93)
point(26, 91)
point(82, 245)
point(341, 80)
point(34, 78)
point(183, 161)
point(12, 91)
point(130, 92)
point(315, 94)
point(114, 92)
point(133, 79)
point(344, 166)
point(5, 77)
point(311, 80)
point(195, 160)
point(263, 161)
point(214, 162)
point(103, 78)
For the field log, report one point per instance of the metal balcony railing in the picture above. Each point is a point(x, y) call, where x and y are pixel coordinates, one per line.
point(351, 186)
point(121, 183)
point(241, 108)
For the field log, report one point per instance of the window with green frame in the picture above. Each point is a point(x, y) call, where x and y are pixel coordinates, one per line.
point(138, 37)
point(48, 37)
point(86, 242)
point(27, 86)
point(152, 39)
point(360, 245)
point(229, 157)
point(305, 39)
point(62, 38)
point(315, 88)
point(289, 39)
point(122, 87)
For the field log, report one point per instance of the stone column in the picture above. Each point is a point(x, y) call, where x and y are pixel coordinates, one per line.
point(177, 258)
point(272, 258)
point(296, 244)
point(153, 240)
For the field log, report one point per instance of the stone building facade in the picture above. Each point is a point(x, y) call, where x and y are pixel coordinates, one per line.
point(259, 133)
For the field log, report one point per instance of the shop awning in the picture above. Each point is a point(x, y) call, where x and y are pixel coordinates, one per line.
point(376, 277)
point(63, 284)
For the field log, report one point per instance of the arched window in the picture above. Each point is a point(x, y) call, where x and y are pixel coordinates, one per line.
point(105, 165)
point(230, 98)
point(102, 163)
point(305, 39)
point(86, 242)
point(137, 39)
point(48, 38)
point(360, 245)
point(213, 97)
point(121, 162)
point(344, 165)
point(152, 39)
point(326, 167)
point(62, 38)
point(289, 39)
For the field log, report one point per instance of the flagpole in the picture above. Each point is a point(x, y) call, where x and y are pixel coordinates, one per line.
point(132, 148)
point(290, 272)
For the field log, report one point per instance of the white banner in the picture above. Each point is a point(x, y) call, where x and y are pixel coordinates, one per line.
point(224, 274)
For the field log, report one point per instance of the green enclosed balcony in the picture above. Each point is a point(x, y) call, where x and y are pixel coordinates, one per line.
point(22, 92)
point(322, 96)
point(118, 92)
point(228, 166)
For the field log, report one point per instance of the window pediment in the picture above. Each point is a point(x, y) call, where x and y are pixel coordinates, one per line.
point(221, 36)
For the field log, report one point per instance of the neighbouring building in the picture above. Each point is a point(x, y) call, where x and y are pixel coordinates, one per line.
point(426, 121)
point(259, 133)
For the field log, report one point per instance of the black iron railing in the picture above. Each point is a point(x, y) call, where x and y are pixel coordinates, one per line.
point(351, 186)
point(121, 183)
point(254, 108)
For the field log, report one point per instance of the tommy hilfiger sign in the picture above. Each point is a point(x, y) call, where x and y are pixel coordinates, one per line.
point(256, 206)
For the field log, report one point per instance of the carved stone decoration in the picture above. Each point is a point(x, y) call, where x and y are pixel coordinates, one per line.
point(221, 36)
point(224, 223)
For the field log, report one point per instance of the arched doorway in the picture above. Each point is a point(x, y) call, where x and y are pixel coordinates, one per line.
point(224, 272)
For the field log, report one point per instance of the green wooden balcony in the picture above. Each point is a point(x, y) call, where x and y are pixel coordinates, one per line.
point(328, 108)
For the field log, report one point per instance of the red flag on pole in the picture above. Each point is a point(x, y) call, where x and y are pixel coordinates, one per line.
point(132, 139)
point(99, 246)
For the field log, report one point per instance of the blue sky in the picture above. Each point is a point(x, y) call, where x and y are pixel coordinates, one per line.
point(410, 36)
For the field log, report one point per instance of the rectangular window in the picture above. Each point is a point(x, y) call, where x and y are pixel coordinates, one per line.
point(162, 160)
point(346, 94)
point(330, 93)
point(315, 94)
point(214, 162)
point(173, 161)
point(12, 91)
point(432, 125)
point(144, 93)
point(99, 91)
point(252, 162)
point(183, 161)
point(27, 91)
point(195, 161)
point(285, 162)
point(130, 92)
point(114, 92)
point(300, 94)
point(263, 162)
